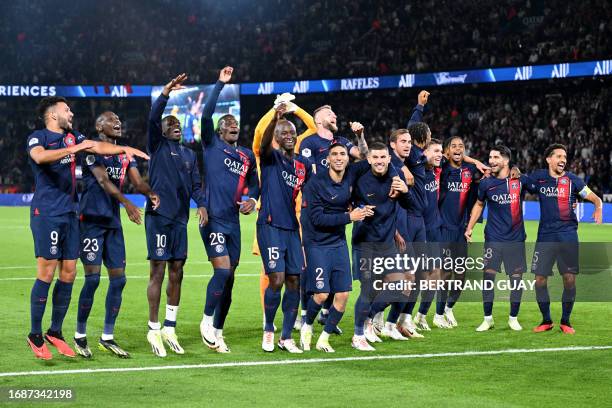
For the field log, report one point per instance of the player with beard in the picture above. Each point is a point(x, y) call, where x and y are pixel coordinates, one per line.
point(557, 240)
point(101, 233)
point(53, 156)
point(504, 232)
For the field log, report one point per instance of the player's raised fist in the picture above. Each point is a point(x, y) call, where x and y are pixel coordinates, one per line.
point(357, 128)
point(280, 110)
point(422, 98)
point(175, 84)
point(226, 74)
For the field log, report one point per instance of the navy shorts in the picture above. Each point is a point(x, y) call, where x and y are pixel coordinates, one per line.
point(415, 229)
point(512, 254)
point(561, 247)
point(100, 244)
point(328, 269)
point(433, 242)
point(365, 267)
point(166, 238)
point(281, 250)
point(221, 239)
point(56, 237)
point(453, 243)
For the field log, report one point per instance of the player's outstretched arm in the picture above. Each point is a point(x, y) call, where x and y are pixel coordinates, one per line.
point(40, 155)
point(483, 168)
point(417, 112)
point(154, 133)
point(142, 186)
point(474, 217)
point(134, 213)
point(266, 140)
point(361, 150)
point(109, 149)
point(589, 195)
point(207, 125)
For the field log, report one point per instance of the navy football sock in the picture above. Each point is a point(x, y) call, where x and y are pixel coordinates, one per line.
point(272, 299)
point(515, 295)
point(224, 304)
point(312, 311)
point(62, 292)
point(568, 297)
point(291, 303)
point(113, 302)
point(426, 299)
point(38, 301)
point(332, 321)
point(442, 295)
point(328, 302)
point(214, 290)
point(543, 299)
point(86, 299)
point(304, 293)
point(377, 307)
point(362, 309)
point(488, 295)
point(395, 311)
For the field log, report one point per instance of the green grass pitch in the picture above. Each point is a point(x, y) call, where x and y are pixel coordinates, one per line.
point(560, 378)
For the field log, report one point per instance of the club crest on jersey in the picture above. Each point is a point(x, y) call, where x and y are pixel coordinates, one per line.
point(466, 174)
point(69, 140)
point(91, 256)
point(514, 184)
point(563, 181)
point(300, 172)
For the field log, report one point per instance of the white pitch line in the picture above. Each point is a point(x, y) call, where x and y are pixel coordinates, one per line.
point(304, 361)
point(33, 266)
point(238, 275)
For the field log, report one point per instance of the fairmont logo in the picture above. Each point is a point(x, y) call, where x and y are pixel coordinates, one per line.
point(523, 73)
point(444, 78)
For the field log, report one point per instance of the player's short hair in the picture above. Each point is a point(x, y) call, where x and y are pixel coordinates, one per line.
point(396, 133)
point(550, 149)
point(337, 144)
point(503, 151)
point(46, 103)
point(419, 132)
point(449, 140)
point(319, 109)
point(434, 142)
point(377, 146)
point(166, 118)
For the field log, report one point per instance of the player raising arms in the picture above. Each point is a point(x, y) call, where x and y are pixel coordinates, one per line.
point(228, 170)
point(504, 231)
point(101, 233)
point(282, 177)
point(53, 217)
point(174, 175)
point(557, 240)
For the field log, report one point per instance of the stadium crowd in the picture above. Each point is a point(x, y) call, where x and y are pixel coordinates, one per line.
point(289, 40)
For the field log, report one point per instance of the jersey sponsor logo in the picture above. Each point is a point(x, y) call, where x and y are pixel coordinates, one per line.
point(115, 173)
point(236, 167)
point(292, 180)
point(432, 185)
point(33, 141)
point(306, 152)
point(457, 186)
point(505, 198)
point(553, 191)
